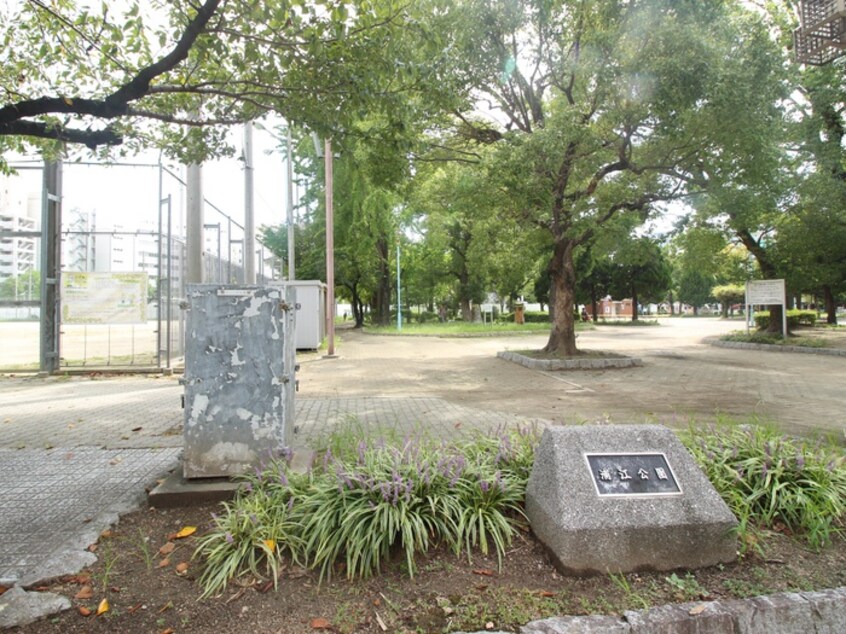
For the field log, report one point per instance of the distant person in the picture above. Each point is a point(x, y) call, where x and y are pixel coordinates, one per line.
point(585, 316)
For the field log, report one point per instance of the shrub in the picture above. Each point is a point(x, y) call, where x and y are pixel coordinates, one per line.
point(795, 318)
point(767, 478)
point(529, 316)
point(366, 499)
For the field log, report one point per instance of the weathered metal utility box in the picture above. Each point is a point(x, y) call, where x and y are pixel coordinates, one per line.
point(239, 377)
point(311, 311)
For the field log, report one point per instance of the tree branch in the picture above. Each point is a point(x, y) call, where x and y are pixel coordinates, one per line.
point(41, 130)
point(12, 117)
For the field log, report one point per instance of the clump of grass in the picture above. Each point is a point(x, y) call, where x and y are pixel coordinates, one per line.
point(363, 499)
point(774, 339)
point(769, 479)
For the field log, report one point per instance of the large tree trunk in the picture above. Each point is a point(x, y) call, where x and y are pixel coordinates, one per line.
point(830, 306)
point(357, 306)
point(466, 310)
point(634, 303)
point(562, 276)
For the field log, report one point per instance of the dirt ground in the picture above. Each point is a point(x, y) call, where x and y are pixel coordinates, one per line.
point(682, 378)
point(146, 593)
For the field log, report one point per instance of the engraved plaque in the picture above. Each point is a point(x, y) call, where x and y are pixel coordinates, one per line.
point(628, 474)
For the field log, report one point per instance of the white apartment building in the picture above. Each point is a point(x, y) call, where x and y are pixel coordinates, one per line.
point(20, 210)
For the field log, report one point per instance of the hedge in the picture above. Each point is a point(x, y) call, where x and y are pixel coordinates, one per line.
point(795, 318)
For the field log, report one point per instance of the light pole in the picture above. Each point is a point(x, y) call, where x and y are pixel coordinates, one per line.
point(399, 291)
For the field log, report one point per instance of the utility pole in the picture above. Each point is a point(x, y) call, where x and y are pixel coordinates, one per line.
point(330, 251)
point(249, 213)
point(291, 265)
point(194, 224)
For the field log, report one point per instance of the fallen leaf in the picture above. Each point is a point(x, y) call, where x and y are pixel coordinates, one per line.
point(134, 608)
point(546, 593)
point(115, 461)
point(169, 630)
point(68, 100)
point(481, 587)
point(136, 429)
point(92, 548)
point(85, 592)
point(377, 602)
point(81, 579)
point(41, 588)
point(186, 531)
point(115, 589)
point(3, 590)
point(106, 534)
point(489, 625)
point(266, 587)
point(71, 425)
point(699, 609)
point(103, 607)
point(485, 572)
point(271, 544)
point(167, 548)
point(164, 563)
point(84, 611)
point(167, 606)
point(182, 568)
point(320, 624)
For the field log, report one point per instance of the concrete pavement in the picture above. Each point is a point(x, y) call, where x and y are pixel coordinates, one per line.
point(76, 452)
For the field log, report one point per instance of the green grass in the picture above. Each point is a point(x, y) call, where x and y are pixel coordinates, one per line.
point(461, 328)
point(774, 340)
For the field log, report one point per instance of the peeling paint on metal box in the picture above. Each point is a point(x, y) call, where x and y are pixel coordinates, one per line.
point(239, 377)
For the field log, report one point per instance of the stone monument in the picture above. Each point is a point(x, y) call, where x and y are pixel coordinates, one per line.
point(622, 498)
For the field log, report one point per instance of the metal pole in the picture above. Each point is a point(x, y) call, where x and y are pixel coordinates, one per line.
point(159, 280)
point(51, 263)
point(229, 252)
point(169, 276)
point(291, 260)
point(194, 228)
point(330, 252)
point(399, 291)
point(249, 214)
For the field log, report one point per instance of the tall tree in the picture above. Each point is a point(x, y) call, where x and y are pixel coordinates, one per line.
point(91, 74)
point(608, 107)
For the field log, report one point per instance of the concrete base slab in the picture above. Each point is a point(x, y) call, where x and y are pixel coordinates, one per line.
point(579, 363)
point(176, 491)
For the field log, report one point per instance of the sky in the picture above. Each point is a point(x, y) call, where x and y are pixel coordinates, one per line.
point(123, 195)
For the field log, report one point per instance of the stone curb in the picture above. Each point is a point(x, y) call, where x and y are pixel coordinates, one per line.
point(822, 612)
point(831, 352)
point(570, 364)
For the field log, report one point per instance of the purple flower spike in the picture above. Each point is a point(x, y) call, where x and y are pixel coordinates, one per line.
point(484, 485)
point(800, 461)
point(229, 539)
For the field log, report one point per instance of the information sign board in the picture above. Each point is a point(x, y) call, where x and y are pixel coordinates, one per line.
point(104, 298)
point(764, 292)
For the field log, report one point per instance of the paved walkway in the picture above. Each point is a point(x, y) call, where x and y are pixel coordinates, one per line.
point(76, 452)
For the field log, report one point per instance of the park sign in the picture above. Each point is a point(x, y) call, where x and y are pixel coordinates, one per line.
point(766, 293)
point(622, 498)
point(104, 298)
